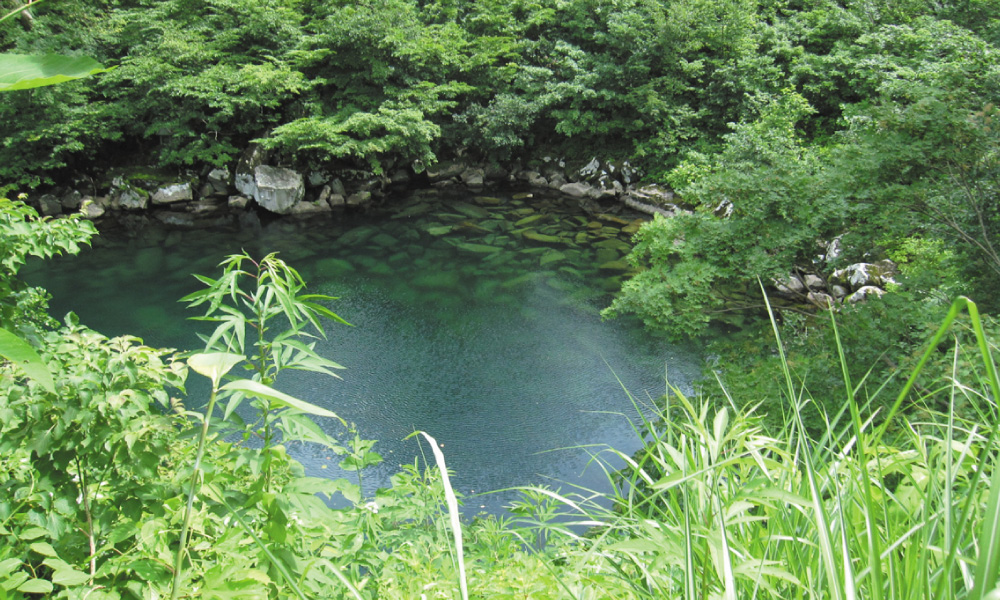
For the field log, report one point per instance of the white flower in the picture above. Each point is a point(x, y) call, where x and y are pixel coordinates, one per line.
point(372, 506)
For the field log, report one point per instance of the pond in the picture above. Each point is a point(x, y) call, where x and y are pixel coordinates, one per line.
point(475, 319)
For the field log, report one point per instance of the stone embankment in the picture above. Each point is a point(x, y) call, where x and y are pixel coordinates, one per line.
point(202, 199)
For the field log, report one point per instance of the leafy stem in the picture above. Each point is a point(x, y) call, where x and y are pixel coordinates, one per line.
point(189, 508)
point(85, 495)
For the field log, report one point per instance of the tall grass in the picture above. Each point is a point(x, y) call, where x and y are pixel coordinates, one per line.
point(899, 505)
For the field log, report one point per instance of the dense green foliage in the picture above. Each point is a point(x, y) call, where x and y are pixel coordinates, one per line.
point(386, 83)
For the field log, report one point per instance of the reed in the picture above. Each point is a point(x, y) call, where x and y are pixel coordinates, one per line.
point(895, 505)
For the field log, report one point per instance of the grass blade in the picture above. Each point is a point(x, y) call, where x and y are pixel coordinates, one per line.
point(452, 502)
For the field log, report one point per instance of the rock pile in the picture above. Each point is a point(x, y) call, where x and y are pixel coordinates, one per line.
point(854, 283)
point(197, 199)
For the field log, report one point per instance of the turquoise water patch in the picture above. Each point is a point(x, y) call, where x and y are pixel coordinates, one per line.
point(492, 343)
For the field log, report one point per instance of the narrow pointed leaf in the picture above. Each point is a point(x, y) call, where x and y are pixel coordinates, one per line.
point(278, 399)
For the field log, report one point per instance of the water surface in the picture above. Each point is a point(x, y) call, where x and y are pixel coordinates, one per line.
point(474, 319)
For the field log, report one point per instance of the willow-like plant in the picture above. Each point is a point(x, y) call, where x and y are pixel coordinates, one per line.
point(263, 314)
point(262, 318)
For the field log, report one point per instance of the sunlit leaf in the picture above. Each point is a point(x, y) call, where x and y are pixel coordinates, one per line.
point(44, 548)
point(23, 71)
point(214, 365)
point(35, 586)
point(23, 355)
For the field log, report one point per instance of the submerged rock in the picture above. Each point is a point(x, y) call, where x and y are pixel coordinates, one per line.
point(329, 267)
point(439, 230)
point(530, 219)
point(478, 248)
point(358, 235)
point(550, 257)
point(470, 210)
point(534, 236)
point(414, 210)
point(446, 280)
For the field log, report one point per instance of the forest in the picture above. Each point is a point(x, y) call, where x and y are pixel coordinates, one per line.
point(839, 453)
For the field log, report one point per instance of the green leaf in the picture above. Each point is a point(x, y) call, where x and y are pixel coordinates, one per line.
point(35, 586)
point(64, 574)
point(280, 399)
point(69, 577)
point(44, 548)
point(32, 533)
point(301, 428)
point(23, 355)
point(7, 566)
point(23, 71)
point(214, 364)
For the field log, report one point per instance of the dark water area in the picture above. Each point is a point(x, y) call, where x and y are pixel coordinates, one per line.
point(474, 319)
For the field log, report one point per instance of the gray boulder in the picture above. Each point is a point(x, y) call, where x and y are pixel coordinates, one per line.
point(473, 176)
point(318, 178)
point(252, 157)
point(275, 188)
point(50, 205)
point(557, 180)
point(72, 200)
point(91, 209)
point(306, 209)
point(359, 198)
point(445, 170)
point(814, 282)
point(128, 197)
point(864, 293)
point(535, 179)
point(821, 300)
point(219, 180)
point(859, 275)
point(790, 286)
point(178, 192)
point(337, 187)
point(576, 190)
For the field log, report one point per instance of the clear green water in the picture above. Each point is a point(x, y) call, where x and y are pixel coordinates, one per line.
point(463, 326)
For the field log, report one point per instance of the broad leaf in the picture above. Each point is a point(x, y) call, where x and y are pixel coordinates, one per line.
point(24, 71)
point(214, 364)
point(23, 355)
point(44, 548)
point(35, 586)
